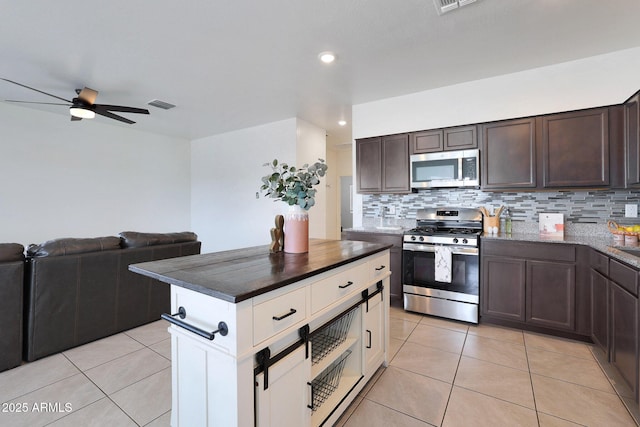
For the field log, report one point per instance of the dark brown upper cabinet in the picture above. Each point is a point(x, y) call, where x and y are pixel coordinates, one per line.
point(632, 140)
point(427, 141)
point(460, 138)
point(575, 149)
point(508, 154)
point(369, 164)
point(448, 139)
point(383, 164)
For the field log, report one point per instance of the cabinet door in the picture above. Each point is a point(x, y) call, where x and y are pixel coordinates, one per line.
point(632, 140)
point(369, 165)
point(460, 138)
point(503, 288)
point(624, 334)
point(551, 294)
point(284, 402)
point(575, 149)
point(509, 154)
point(427, 141)
point(373, 338)
point(600, 311)
point(395, 164)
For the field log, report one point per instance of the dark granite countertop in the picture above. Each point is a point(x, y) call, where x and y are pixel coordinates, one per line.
point(382, 230)
point(603, 243)
point(241, 274)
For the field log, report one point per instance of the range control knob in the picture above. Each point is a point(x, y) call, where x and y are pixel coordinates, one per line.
point(413, 237)
point(421, 238)
point(465, 241)
point(455, 240)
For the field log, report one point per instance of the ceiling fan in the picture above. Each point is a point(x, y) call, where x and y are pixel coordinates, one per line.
point(83, 106)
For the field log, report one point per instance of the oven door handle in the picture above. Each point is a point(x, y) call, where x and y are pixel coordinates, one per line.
point(455, 250)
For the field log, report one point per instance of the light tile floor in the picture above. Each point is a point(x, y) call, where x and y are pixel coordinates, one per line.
point(441, 373)
point(123, 380)
point(451, 374)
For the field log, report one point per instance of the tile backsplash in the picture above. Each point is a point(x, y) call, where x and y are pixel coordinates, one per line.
point(578, 207)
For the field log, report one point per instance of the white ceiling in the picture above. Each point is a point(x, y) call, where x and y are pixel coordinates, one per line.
point(231, 64)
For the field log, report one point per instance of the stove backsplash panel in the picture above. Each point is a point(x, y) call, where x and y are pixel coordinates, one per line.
point(578, 207)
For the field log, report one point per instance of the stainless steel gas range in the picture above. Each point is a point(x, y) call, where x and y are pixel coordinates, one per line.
point(440, 263)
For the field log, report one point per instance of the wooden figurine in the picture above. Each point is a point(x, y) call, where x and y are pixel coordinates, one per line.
point(277, 235)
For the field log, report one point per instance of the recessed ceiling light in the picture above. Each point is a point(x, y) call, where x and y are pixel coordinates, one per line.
point(342, 122)
point(327, 57)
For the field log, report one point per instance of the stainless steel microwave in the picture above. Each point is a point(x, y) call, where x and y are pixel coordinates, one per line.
point(446, 169)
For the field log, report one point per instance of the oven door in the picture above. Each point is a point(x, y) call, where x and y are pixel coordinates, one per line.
point(418, 272)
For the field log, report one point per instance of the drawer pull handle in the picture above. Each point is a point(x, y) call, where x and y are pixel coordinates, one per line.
point(223, 329)
point(382, 267)
point(346, 285)
point(290, 313)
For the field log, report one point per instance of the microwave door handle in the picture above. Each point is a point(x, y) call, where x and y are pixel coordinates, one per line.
point(460, 167)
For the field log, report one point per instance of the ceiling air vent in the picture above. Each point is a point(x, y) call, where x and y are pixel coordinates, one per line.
point(160, 104)
point(444, 6)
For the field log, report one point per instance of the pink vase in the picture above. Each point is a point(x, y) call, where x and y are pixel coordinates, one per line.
point(296, 230)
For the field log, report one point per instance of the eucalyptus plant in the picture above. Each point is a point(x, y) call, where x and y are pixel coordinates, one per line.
point(292, 185)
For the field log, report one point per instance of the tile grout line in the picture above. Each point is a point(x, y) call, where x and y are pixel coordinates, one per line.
point(453, 381)
point(533, 392)
point(102, 391)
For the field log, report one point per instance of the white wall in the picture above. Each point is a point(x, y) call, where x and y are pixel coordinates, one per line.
point(226, 172)
point(87, 179)
point(311, 145)
point(596, 81)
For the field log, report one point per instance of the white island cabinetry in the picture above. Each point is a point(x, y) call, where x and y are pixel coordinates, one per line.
point(294, 355)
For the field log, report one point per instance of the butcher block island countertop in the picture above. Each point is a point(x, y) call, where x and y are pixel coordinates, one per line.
point(240, 274)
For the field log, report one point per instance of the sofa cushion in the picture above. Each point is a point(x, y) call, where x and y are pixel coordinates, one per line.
point(69, 246)
point(133, 239)
point(11, 252)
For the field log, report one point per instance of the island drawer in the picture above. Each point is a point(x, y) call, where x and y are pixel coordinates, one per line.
point(277, 314)
point(331, 289)
point(379, 266)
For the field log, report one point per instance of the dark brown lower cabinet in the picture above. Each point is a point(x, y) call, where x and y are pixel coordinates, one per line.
point(503, 290)
point(624, 335)
point(614, 318)
point(529, 284)
point(600, 310)
point(551, 290)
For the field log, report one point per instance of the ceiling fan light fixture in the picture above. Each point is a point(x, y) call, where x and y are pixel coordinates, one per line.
point(81, 112)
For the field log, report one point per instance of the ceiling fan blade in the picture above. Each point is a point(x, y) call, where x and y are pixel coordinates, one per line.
point(113, 116)
point(25, 86)
point(88, 95)
point(120, 108)
point(30, 102)
point(75, 119)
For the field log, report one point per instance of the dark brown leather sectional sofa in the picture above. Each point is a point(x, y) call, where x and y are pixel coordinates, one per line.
point(80, 290)
point(11, 285)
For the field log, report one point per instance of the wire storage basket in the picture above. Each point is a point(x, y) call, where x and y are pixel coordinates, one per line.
point(328, 381)
point(331, 336)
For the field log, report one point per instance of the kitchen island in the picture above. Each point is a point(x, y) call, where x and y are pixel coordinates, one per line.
point(274, 339)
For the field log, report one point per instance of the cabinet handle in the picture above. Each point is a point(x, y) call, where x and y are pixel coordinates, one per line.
point(369, 332)
point(223, 329)
point(312, 392)
point(349, 283)
point(290, 313)
point(382, 267)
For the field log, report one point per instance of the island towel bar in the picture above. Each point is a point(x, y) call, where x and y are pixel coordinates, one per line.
point(182, 313)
